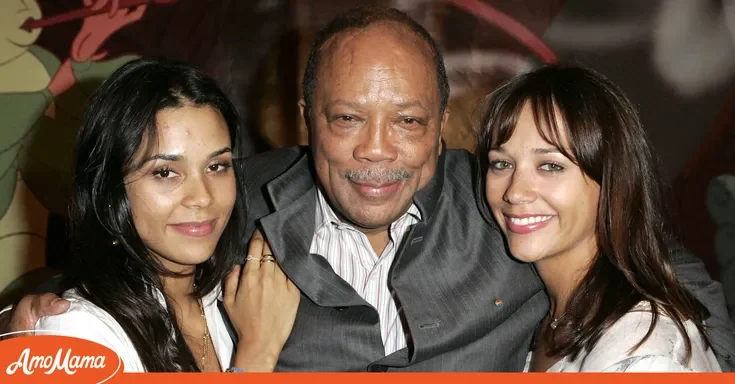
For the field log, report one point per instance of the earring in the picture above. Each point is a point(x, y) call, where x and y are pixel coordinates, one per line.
point(115, 242)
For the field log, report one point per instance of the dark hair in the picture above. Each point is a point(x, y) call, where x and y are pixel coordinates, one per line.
point(124, 279)
point(608, 142)
point(361, 18)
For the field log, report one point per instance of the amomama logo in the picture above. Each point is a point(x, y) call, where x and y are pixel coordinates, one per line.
point(56, 359)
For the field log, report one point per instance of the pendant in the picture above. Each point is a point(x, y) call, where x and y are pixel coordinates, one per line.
point(554, 323)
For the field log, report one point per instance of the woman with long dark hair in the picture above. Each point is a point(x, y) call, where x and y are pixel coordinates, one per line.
point(571, 179)
point(157, 217)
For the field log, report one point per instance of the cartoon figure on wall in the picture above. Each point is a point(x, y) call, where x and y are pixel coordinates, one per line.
point(41, 103)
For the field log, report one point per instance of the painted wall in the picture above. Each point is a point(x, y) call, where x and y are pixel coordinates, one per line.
point(675, 58)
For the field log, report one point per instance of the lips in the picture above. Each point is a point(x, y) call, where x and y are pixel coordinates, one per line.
point(376, 190)
point(527, 223)
point(195, 229)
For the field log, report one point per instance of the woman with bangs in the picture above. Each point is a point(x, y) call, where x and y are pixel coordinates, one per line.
point(572, 181)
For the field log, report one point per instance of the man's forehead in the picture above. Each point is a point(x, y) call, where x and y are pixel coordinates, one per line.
point(384, 37)
point(353, 62)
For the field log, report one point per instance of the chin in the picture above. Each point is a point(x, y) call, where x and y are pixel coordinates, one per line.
point(526, 255)
point(195, 257)
point(372, 222)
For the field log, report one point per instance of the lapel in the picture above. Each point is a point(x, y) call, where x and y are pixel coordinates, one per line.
point(427, 201)
point(290, 230)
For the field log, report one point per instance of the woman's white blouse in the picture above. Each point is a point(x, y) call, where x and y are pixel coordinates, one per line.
point(663, 351)
point(87, 321)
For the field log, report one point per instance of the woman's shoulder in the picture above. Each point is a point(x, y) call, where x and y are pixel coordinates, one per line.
point(88, 321)
point(663, 350)
point(81, 313)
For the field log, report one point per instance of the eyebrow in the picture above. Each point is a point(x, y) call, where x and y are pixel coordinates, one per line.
point(547, 150)
point(538, 151)
point(411, 104)
point(404, 105)
point(342, 102)
point(168, 157)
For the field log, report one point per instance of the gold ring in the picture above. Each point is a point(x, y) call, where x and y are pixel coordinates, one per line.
point(268, 259)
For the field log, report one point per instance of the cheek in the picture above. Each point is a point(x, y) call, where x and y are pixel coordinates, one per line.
point(577, 201)
point(495, 188)
point(427, 171)
point(420, 157)
point(332, 152)
point(563, 199)
point(592, 202)
point(226, 192)
point(418, 152)
point(151, 206)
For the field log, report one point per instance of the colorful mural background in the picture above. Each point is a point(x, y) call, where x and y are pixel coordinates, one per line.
point(41, 95)
point(675, 58)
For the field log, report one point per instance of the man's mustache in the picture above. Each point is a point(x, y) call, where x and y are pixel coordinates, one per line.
point(377, 175)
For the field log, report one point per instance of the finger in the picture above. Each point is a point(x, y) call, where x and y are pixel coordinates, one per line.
point(99, 56)
point(49, 304)
point(280, 276)
point(23, 318)
point(121, 16)
point(294, 292)
point(291, 286)
point(255, 250)
point(268, 268)
point(113, 7)
point(231, 282)
point(76, 45)
point(137, 13)
point(99, 4)
point(31, 308)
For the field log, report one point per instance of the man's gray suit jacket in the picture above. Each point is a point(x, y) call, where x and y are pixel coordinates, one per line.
point(465, 304)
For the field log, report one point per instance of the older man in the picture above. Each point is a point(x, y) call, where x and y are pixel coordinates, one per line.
point(377, 224)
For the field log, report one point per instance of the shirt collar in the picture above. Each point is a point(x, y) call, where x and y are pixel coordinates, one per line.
point(207, 300)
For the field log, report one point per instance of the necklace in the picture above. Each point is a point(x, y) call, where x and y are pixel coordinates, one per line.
point(205, 339)
point(554, 323)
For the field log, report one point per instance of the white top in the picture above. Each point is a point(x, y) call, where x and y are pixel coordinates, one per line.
point(87, 321)
point(663, 351)
point(353, 259)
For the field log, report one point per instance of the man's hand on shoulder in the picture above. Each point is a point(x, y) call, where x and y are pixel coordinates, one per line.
point(25, 315)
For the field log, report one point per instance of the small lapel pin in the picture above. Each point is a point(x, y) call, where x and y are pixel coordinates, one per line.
point(498, 303)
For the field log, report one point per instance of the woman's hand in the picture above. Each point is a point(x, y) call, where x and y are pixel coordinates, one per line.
point(95, 31)
point(261, 303)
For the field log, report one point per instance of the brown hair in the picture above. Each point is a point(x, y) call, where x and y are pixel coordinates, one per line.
point(608, 142)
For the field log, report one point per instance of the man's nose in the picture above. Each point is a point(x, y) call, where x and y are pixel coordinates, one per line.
point(376, 142)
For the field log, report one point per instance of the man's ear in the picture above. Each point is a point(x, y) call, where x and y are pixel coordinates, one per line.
point(304, 112)
point(442, 124)
point(445, 118)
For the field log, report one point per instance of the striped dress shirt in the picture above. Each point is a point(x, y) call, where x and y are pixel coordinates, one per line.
point(352, 257)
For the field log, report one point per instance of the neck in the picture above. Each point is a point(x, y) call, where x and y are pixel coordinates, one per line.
point(179, 289)
point(378, 240)
point(561, 275)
